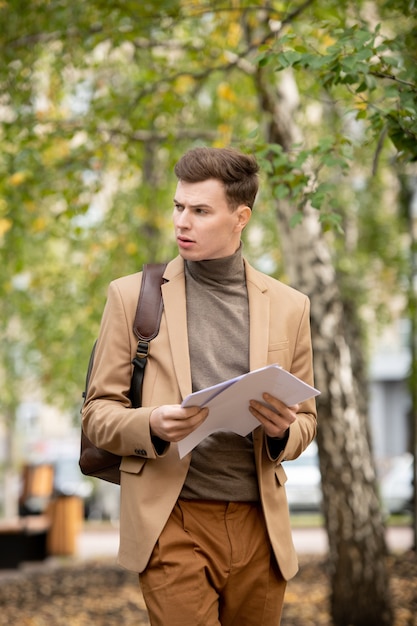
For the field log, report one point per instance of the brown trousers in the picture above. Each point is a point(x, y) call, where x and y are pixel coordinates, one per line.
point(213, 565)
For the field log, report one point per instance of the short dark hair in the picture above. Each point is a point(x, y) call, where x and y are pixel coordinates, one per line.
point(237, 171)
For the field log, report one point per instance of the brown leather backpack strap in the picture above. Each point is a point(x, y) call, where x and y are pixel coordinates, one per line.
point(101, 463)
point(150, 306)
point(146, 324)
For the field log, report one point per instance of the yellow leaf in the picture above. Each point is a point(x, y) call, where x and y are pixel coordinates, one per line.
point(39, 224)
point(328, 40)
point(17, 178)
point(184, 84)
point(5, 225)
point(225, 132)
point(234, 34)
point(225, 92)
point(361, 104)
point(55, 152)
point(30, 206)
point(131, 248)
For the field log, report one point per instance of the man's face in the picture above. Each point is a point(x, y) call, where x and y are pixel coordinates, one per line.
point(205, 227)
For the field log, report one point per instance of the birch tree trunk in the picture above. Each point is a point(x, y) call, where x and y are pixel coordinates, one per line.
point(359, 581)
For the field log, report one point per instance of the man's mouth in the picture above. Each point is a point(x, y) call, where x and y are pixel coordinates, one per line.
point(183, 239)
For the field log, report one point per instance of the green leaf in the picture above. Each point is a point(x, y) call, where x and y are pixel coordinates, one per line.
point(281, 191)
point(296, 219)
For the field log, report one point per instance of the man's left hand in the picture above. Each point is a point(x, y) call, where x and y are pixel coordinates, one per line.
point(274, 415)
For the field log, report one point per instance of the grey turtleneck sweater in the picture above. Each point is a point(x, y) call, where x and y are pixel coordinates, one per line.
point(222, 465)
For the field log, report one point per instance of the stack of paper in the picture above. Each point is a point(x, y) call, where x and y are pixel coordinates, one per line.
point(229, 402)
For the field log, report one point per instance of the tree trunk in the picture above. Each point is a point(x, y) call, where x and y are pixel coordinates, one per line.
point(357, 550)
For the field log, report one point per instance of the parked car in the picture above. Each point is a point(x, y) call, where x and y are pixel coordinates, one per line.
point(397, 485)
point(303, 486)
point(304, 483)
point(69, 481)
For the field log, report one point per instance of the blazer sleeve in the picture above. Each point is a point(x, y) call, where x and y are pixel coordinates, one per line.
point(108, 419)
point(303, 430)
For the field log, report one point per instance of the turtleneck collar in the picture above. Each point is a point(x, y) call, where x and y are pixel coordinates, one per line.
point(227, 270)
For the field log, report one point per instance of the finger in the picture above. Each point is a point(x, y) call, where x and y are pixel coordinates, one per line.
point(278, 405)
point(189, 420)
point(273, 421)
point(190, 411)
point(265, 415)
point(273, 427)
point(180, 428)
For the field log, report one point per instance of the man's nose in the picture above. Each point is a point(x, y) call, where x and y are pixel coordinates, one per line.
point(183, 219)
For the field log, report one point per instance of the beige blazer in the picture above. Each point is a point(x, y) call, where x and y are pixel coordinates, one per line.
point(150, 484)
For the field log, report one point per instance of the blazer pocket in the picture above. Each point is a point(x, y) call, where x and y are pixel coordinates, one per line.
point(280, 475)
point(132, 464)
point(279, 353)
point(279, 345)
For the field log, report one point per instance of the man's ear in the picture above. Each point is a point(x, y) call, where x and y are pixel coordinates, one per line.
point(244, 214)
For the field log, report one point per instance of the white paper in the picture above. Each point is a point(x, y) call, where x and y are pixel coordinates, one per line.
point(229, 402)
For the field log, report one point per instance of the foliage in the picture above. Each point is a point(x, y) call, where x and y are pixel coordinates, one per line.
point(84, 588)
point(97, 104)
point(355, 67)
point(376, 70)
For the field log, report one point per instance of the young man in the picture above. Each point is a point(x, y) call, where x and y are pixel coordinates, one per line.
point(210, 533)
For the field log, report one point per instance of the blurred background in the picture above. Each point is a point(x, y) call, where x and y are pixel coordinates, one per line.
point(96, 106)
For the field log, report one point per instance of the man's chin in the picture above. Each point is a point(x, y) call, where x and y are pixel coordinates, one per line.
point(187, 255)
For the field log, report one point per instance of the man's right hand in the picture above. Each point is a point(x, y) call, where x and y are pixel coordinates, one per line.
point(172, 422)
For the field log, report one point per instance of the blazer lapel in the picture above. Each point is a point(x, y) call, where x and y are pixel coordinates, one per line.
point(173, 293)
point(258, 318)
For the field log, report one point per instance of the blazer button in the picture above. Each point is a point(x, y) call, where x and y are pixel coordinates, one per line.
point(140, 452)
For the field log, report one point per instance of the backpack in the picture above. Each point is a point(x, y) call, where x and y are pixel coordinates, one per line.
point(96, 461)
